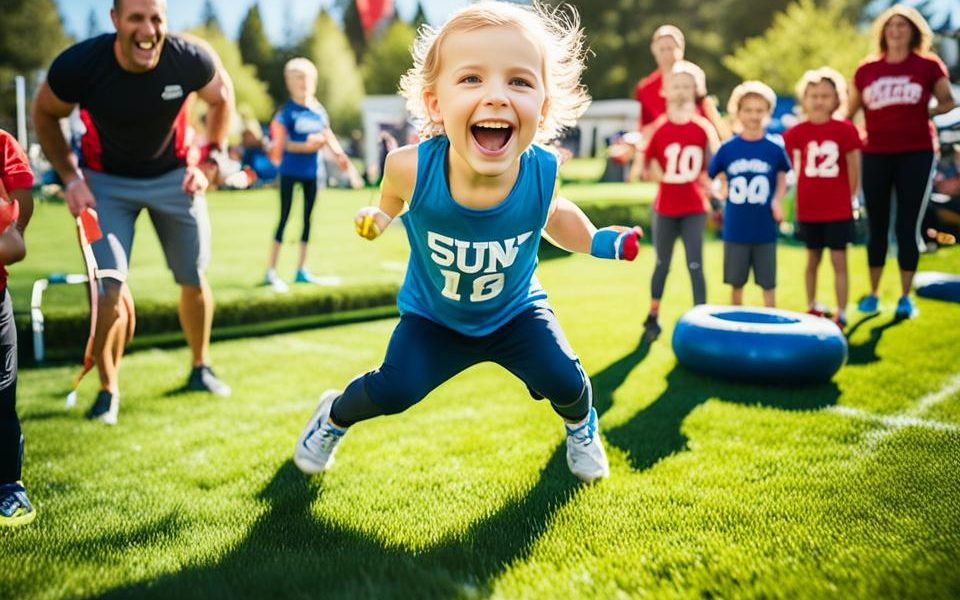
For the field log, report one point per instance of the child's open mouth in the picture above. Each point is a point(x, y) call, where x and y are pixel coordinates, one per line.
point(492, 135)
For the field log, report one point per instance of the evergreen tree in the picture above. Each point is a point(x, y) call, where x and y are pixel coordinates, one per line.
point(251, 93)
point(210, 19)
point(353, 28)
point(255, 48)
point(93, 24)
point(388, 58)
point(420, 18)
point(339, 82)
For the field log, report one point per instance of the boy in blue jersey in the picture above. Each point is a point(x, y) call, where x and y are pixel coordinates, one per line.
point(300, 130)
point(478, 194)
point(752, 167)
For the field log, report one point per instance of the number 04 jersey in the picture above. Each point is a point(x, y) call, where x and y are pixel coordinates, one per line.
point(472, 270)
point(680, 150)
point(819, 153)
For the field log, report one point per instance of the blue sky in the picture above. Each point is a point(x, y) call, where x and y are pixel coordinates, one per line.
point(184, 14)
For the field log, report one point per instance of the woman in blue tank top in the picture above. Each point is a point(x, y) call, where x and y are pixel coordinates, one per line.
point(478, 194)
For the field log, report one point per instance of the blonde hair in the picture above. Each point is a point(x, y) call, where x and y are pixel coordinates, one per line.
point(670, 31)
point(555, 30)
point(751, 88)
point(920, 41)
point(815, 76)
point(300, 65)
point(699, 79)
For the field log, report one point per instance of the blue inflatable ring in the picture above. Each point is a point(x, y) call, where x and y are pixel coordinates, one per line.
point(942, 286)
point(759, 344)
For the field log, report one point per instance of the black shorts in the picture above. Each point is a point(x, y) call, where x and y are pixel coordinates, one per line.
point(826, 234)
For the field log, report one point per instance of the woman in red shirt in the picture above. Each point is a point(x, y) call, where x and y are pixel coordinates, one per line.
point(894, 88)
point(667, 47)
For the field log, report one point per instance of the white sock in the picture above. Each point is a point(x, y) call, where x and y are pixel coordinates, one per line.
point(578, 424)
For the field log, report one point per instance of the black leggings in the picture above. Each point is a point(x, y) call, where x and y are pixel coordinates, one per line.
point(286, 202)
point(11, 439)
point(909, 174)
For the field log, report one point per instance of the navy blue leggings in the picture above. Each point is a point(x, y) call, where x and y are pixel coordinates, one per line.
point(422, 355)
point(309, 187)
point(11, 440)
point(909, 174)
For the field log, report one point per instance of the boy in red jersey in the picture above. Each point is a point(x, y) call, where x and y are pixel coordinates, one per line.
point(825, 151)
point(676, 158)
point(16, 206)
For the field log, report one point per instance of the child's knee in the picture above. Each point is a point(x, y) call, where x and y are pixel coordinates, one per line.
point(569, 387)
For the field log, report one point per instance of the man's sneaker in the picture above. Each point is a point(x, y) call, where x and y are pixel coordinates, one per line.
point(106, 407)
point(906, 309)
point(304, 276)
point(15, 507)
point(841, 321)
point(869, 304)
point(651, 328)
point(314, 451)
point(275, 282)
point(585, 455)
point(203, 379)
point(819, 310)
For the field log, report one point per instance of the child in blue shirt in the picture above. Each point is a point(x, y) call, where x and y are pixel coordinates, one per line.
point(478, 193)
point(752, 168)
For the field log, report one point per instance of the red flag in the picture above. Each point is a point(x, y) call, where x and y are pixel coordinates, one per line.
point(371, 11)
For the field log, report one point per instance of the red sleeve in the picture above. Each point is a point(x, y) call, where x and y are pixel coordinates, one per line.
point(859, 78)
point(636, 90)
point(789, 140)
point(653, 148)
point(14, 165)
point(938, 70)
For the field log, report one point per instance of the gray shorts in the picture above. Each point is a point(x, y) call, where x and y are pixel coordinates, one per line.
point(180, 220)
point(738, 258)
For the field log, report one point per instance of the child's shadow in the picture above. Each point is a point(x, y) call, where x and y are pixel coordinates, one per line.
point(866, 352)
point(655, 432)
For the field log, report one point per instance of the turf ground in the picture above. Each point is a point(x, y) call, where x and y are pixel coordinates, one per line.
point(847, 489)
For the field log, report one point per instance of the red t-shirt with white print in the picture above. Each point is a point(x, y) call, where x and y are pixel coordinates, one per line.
point(895, 98)
point(680, 150)
point(15, 174)
point(818, 152)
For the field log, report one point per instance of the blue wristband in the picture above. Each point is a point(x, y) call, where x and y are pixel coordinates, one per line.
point(604, 244)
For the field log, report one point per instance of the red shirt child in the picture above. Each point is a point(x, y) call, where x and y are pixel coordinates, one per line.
point(680, 150)
point(15, 174)
point(819, 155)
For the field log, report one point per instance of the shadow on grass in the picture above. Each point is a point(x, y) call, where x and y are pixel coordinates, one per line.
point(290, 551)
point(866, 352)
point(656, 432)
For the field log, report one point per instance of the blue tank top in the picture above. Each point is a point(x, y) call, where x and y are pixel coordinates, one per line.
point(472, 270)
point(301, 121)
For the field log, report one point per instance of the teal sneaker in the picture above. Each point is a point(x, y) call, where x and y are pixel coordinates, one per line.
point(869, 304)
point(15, 507)
point(305, 276)
point(906, 309)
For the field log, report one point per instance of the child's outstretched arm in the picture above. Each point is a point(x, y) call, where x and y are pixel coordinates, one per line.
point(399, 178)
point(568, 228)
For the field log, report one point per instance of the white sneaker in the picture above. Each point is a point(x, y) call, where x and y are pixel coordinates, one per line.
point(585, 455)
point(314, 451)
point(278, 285)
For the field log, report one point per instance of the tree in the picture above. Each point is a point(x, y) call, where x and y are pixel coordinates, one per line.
point(339, 83)
point(804, 36)
point(33, 35)
point(419, 18)
point(251, 93)
point(255, 48)
point(93, 24)
point(210, 19)
point(388, 58)
point(353, 28)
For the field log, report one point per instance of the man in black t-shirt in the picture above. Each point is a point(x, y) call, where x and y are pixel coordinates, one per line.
point(132, 89)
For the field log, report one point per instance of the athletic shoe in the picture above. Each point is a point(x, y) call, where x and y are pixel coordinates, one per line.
point(585, 455)
point(869, 304)
point(906, 309)
point(275, 282)
point(15, 507)
point(106, 407)
point(304, 276)
point(317, 443)
point(841, 322)
point(651, 328)
point(203, 379)
point(819, 310)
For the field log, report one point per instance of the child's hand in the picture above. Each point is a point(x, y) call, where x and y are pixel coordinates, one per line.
point(777, 212)
point(616, 242)
point(316, 141)
point(370, 222)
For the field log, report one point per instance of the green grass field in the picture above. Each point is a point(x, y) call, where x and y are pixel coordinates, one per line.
point(847, 489)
